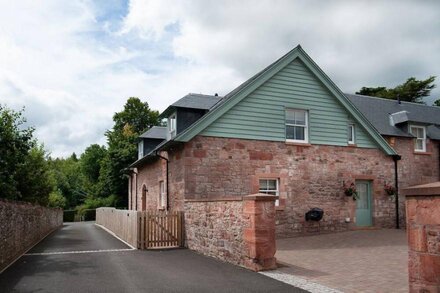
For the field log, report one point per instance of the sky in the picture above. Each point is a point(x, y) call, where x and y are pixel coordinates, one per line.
point(73, 64)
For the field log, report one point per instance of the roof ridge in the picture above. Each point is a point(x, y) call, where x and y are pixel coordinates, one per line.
point(391, 100)
point(205, 95)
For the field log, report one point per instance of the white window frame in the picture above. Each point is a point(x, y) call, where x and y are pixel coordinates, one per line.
point(266, 191)
point(351, 128)
point(423, 139)
point(306, 126)
point(162, 195)
point(141, 149)
point(172, 124)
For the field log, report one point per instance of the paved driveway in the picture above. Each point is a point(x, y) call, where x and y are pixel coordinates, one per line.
point(355, 261)
point(82, 257)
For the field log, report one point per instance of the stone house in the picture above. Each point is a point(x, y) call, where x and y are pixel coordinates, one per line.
point(290, 132)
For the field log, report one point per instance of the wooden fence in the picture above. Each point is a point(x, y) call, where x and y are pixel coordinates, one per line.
point(121, 222)
point(160, 229)
point(144, 230)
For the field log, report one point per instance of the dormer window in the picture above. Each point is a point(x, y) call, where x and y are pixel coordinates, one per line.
point(141, 149)
point(420, 138)
point(172, 125)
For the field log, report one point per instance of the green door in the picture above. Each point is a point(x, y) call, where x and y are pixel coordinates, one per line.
point(363, 204)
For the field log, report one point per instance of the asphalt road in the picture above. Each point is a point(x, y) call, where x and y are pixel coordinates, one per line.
point(81, 257)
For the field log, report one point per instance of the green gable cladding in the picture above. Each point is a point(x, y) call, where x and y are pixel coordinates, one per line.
point(257, 109)
point(261, 115)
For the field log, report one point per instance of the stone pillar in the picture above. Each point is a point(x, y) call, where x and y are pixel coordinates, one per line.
point(259, 234)
point(423, 228)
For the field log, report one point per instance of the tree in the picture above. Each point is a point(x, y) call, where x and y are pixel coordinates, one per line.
point(437, 103)
point(24, 172)
point(137, 115)
point(33, 177)
point(69, 180)
point(56, 199)
point(122, 150)
point(412, 90)
point(91, 162)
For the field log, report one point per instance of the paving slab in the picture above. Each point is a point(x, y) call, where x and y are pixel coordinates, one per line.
point(354, 261)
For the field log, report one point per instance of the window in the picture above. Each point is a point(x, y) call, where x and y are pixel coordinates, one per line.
point(172, 125)
point(162, 195)
point(141, 149)
point(420, 141)
point(296, 126)
point(351, 134)
point(270, 186)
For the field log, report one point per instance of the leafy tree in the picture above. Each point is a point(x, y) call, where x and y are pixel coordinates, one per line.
point(69, 180)
point(134, 119)
point(56, 199)
point(437, 103)
point(34, 181)
point(412, 90)
point(91, 162)
point(24, 172)
point(15, 143)
point(137, 115)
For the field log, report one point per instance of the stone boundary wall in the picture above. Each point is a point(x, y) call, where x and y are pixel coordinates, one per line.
point(423, 228)
point(121, 222)
point(22, 225)
point(237, 230)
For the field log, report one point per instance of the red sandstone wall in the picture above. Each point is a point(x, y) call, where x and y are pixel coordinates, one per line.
point(415, 168)
point(423, 219)
point(149, 175)
point(310, 176)
point(152, 173)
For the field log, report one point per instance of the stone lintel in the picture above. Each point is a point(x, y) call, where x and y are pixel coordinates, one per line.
point(260, 197)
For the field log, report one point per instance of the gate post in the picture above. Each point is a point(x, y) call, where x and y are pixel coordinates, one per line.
point(423, 229)
point(259, 233)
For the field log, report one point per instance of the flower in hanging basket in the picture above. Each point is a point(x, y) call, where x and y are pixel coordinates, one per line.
point(351, 191)
point(389, 189)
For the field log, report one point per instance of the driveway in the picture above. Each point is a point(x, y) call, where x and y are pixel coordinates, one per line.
point(354, 261)
point(82, 257)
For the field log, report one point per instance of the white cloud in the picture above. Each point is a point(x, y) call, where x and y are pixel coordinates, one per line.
point(357, 43)
point(73, 64)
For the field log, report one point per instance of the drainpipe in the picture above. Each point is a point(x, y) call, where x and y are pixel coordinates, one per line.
point(396, 184)
point(167, 177)
point(135, 189)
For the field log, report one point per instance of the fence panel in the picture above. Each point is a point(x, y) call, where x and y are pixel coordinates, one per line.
point(160, 229)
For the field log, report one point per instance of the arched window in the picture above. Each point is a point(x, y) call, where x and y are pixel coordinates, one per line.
point(144, 198)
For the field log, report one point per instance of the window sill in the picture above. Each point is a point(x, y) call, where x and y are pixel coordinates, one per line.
point(280, 208)
point(352, 145)
point(304, 144)
point(422, 153)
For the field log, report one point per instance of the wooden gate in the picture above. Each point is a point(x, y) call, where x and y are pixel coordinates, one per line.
point(160, 229)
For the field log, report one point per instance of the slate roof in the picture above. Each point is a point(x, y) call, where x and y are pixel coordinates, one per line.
point(193, 101)
point(378, 110)
point(157, 132)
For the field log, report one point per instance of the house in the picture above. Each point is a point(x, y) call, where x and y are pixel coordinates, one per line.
point(289, 131)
